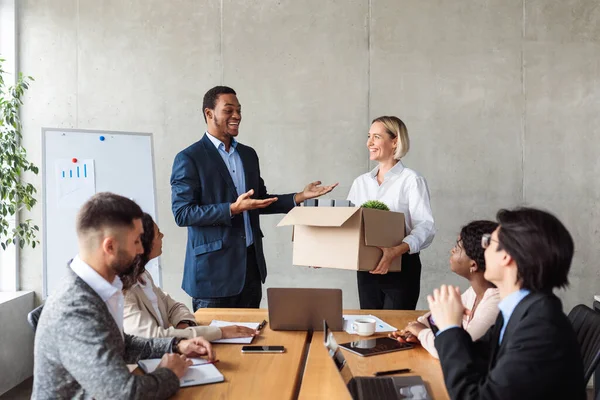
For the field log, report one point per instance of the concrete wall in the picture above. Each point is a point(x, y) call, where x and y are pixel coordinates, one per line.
point(561, 169)
point(16, 338)
point(500, 98)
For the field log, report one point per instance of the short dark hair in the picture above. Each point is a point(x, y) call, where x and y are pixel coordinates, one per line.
point(541, 246)
point(210, 98)
point(470, 238)
point(107, 210)
point(139, 265)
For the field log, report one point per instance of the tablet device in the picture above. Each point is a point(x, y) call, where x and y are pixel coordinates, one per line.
point(371, 347)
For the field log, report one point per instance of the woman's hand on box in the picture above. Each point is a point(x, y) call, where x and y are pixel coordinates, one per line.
point(389, 255)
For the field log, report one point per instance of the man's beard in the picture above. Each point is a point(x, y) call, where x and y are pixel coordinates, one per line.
point(133, 274)
point(124, 263)
point(225, 128)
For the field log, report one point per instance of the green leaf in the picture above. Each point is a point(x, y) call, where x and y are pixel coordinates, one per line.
point(15, 193)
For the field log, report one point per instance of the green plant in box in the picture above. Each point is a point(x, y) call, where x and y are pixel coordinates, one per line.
point(376, 205)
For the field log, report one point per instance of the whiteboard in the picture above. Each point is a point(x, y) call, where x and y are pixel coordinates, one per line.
point(75, 165)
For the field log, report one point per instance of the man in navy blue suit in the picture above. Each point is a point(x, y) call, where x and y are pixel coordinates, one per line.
point(218, 194)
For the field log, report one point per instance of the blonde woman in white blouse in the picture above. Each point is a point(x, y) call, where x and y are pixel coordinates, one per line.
point(150, 312)
point(402, 190)
point(481, 298)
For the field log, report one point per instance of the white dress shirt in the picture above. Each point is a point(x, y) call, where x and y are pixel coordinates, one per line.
point(235, 166)
point(110, 293)
point(149, 292)
point(402, 190)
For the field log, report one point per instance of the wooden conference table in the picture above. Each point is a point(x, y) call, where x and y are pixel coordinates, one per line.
point(305, 370)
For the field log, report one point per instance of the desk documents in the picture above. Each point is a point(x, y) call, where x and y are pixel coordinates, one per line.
point(201, 372)
point(246, 340)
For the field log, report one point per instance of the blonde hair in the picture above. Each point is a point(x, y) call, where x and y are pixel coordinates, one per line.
point(396, 129)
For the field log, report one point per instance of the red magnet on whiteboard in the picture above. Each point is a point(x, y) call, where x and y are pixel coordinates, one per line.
point(74, 160)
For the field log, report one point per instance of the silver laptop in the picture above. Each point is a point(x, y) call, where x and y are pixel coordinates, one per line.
point(293, 309)
point(373, 388)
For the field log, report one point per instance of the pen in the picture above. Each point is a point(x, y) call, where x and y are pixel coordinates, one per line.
point(203, 363)
point(392, 372)
point(262, 325)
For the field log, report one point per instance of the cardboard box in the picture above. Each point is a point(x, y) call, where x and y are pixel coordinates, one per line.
point(343, 237)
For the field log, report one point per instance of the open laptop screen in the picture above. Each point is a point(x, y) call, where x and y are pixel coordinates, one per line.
point(336, 354)
point(407, 387)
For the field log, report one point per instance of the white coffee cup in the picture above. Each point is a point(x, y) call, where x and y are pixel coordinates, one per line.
point(364, 326)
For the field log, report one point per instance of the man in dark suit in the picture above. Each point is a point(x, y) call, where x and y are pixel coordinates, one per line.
point(217, 192)
point(531, 352)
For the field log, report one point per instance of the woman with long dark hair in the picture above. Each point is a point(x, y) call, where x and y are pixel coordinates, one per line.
point(150, 312)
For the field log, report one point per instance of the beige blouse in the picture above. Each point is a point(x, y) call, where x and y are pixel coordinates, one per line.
point(141, 319)
point(476, 325)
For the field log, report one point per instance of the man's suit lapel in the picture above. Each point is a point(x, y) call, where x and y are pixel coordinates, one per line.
point(514, 320)
point(82, 285)
point(216, 160)
point(248, 164)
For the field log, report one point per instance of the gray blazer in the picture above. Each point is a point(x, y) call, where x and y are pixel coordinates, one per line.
point(80, 353)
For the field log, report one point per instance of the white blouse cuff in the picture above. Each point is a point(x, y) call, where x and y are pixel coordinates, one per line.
point(412, 243)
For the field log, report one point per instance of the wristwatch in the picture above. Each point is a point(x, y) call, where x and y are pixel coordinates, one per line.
point(187, 321)
point(175, 345)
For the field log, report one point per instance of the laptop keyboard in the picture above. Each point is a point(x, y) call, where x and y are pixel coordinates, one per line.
point(376, 388)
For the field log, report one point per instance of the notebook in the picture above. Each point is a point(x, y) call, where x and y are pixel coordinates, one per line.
point(246, 340)
point(200, 373)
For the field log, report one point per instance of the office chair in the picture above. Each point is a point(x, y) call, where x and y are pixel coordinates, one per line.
point(586, 323)
point(34, 316)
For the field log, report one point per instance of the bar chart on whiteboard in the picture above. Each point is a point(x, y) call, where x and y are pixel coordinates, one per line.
point(75, 182)
point(77, 164)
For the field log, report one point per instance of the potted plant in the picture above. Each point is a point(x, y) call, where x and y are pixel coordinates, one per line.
point(376, 205)
point(15, 195)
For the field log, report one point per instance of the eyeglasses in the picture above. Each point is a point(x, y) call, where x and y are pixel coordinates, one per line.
point(486, 239)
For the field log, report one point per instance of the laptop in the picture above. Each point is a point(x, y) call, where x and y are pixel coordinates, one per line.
point(373, 388)
point(292, 309)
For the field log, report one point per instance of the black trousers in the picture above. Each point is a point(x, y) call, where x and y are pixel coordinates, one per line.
point(394, 290)
point(250, 296)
